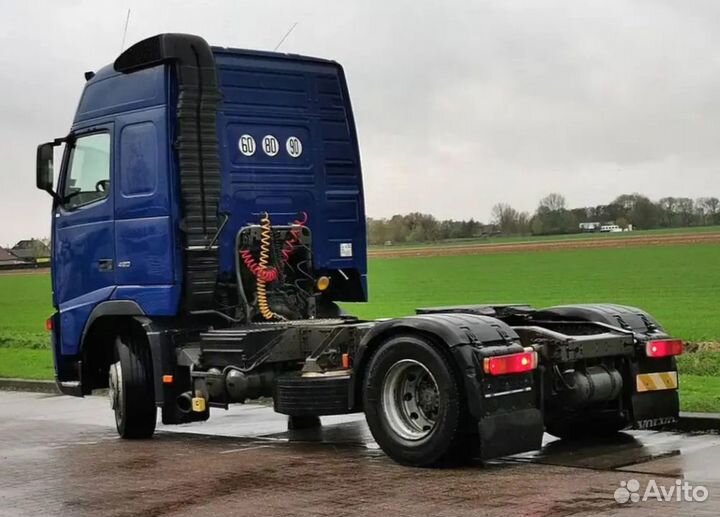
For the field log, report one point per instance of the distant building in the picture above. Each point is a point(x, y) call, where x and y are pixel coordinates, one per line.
point(590, 227)
point(8, 259)
point(33, 250)
point(610, 228)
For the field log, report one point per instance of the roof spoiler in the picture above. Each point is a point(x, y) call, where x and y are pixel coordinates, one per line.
point(186, 49)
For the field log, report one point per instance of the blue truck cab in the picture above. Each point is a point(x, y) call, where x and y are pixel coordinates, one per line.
point(208, 216)
point(145, 224)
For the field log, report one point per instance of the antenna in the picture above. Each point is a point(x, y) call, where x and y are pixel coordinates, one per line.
point(127, 21)
point(282, 40)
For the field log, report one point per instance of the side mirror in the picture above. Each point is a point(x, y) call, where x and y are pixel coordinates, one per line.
point(44, 173)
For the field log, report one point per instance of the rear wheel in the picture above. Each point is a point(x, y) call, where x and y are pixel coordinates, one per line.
point(414, 404)
point(131, 390)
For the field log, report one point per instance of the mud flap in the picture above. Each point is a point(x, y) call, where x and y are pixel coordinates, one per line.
point(510, 433)
point(655, 409)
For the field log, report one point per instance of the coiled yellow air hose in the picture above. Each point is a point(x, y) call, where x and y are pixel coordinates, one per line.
point(265, 242)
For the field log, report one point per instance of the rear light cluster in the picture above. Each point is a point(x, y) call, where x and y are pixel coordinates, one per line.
point(511, 363)
point(663, 348)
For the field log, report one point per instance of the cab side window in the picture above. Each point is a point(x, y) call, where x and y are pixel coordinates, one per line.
point(88, 176)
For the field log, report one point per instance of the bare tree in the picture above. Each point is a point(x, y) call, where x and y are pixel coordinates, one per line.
point(553, 202)
point(509, 220)
point(669, 208)
point(685, 207)
point(709, 207)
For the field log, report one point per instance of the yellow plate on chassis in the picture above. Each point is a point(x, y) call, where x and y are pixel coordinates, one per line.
point(656, 381)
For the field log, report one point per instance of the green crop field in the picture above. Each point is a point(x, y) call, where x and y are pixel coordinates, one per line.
point(449, 243)
point(680, 285)
point(25, 304)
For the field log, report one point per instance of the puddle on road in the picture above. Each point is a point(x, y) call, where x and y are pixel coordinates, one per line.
point(661, 453)
point(666, 454)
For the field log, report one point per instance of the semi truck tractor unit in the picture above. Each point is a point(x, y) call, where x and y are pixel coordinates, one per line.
point(208, 216)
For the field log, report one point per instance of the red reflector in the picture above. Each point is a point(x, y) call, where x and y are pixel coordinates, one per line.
point(49, 324)
point(664, 348)
point(512, 363)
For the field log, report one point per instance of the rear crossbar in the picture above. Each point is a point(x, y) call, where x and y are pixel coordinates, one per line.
point(557, 346)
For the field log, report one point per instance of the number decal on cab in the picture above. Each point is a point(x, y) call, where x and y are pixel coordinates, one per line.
point(246, 144)
point(293, 145)
point(270, 145)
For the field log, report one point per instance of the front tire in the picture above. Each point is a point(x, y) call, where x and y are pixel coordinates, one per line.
point(132, 396)
point(415, 405)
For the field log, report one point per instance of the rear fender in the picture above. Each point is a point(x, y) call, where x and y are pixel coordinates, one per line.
point(625, 317)
point(446, 330)
point(649, 409)
point(505, 424)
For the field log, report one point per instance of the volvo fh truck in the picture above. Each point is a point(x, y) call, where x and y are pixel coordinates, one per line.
point(207, 219)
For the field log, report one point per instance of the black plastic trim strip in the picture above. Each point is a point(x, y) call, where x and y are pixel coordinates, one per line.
point(197, 151)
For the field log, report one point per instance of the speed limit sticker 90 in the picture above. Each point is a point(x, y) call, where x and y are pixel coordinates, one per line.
point(293, 145)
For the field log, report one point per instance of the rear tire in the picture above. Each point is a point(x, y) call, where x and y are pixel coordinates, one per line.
point(131, 391)
point(415, 405)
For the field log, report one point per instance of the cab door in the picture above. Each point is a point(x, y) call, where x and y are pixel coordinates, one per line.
point(83, 232)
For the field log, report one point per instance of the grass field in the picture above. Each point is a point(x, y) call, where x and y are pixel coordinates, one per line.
point(680, 285)
point(25, 304)
point(26, 363)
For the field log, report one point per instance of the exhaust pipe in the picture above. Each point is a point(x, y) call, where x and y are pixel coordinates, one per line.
point(184, 402)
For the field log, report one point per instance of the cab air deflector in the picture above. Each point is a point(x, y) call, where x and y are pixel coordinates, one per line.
point(196, 144)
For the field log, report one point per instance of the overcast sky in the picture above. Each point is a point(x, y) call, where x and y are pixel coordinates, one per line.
point(459, 105)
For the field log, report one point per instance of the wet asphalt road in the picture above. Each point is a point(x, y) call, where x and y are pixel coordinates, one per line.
point(61, 456)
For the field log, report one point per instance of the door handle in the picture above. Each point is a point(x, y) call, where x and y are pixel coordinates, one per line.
point(105, 264)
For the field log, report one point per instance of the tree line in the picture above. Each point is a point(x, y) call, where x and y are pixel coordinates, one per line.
point(552, 217)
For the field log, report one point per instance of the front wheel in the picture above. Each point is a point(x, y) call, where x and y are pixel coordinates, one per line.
point(414, 404)
point(131, 392)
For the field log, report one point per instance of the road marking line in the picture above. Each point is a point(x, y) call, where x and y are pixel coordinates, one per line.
point(245, 449)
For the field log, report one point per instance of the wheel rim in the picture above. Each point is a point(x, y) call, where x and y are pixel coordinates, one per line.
point(410, 399)
point(115, 390)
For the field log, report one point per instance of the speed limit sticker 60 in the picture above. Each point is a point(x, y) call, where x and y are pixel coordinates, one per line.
point(246, 144)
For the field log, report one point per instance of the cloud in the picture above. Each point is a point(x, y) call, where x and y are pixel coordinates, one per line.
point(459, 105)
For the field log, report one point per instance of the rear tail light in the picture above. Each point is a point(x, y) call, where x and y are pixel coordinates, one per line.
point(664, 348)
point(512, 363)
point(49, 324)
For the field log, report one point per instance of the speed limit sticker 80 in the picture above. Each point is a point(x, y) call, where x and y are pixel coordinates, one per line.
point(270, 146)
